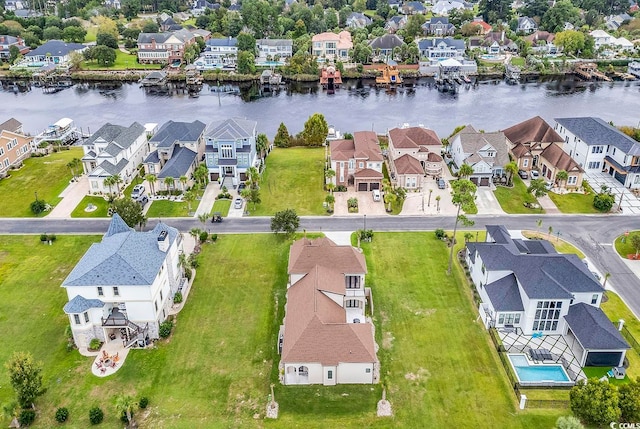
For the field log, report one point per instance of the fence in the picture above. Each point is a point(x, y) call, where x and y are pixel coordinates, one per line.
point(630, 339)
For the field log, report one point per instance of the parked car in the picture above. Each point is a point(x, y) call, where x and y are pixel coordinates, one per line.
point(241, 186)
point(142, 200)
point(534, 174)
point(237, 203)
point(442, 184)
point(137, 191)
point(523, 174)
point(548, 185)
point(376, 195)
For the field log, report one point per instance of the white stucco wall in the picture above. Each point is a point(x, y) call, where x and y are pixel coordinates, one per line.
point(354, 373)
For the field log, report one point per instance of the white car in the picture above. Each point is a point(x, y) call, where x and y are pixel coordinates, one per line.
point(376, 195)
point(237, 204)
point(534, 174)
point(137, 191)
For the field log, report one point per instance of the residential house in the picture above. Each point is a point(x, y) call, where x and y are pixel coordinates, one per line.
point(164, 48)
point(274, 49)
point(542, 41)
point(114, 150)
point(486, 153)
point(414, 153)
point(395, 4)
point(395, 23)
point(526, 287)
point(6, 42)
point(599, 147)
point(444, 7)
point(603, 40)
point(220, 53)
point(526, 25)
point(54, 52)
point(485, 28)
point(358, 161)
point(495, 42)
point(614, 22)
point(326, 337)
point(198, 7)
point(413, 8)
point(169, 24)
point(331, 46)
point(12, 125)
point(358, 20)
point(122, 289)
point(113, 4)
point(230, 150)
point(534, 144)
point(14, 148)
point(438, 26)
point(201, 32)
point(175, 151)
point(437, 49)
point(15, 5)
point(385, 46)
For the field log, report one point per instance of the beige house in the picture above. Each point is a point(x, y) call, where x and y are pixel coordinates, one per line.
point(414, 153)
point(14, 148)
point(486, 153)
point(331, 46)
point(326, 337)
point(535, 145)
point(357, 162)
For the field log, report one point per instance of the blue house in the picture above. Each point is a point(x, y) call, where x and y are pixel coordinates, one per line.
point(230, 149)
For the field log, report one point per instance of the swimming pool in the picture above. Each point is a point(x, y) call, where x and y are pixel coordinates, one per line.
point(532, 373)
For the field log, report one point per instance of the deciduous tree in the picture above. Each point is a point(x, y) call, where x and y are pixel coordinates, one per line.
point(246, 63)
point(315, 130)
point(595, 402)
point(25, 378)
point(104, 55)
point(570, 41)
point(286, 221)
point(130, 211)
point(74, 34)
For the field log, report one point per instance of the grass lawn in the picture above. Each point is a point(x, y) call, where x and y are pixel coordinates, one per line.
point(512, 199)
point(136, 180)
point(573, 202)
point(101, 204)
point(560, 245)
point(518, 61)
point(47, 175)
point(222, 206)
point(92, 33)
point(123, 62)
point(616, 309)
point(166, 208)
point(622, 244)
point(292, 179)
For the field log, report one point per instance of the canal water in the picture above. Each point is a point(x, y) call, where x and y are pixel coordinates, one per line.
point(356, 106)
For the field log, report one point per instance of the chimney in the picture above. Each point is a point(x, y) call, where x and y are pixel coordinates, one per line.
point(163, 242)
point(502, 37)
point(620, 324)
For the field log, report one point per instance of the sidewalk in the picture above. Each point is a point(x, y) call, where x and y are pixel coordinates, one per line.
point(71, 197)
point(209, 197)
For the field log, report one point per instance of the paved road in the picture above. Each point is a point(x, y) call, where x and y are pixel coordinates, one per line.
point(593, 234)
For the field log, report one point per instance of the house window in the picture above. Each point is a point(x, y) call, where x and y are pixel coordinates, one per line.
point(596, 149)
point(353, 303)
point(593, 165)
point(76, 319)
point(156, 305)
point(100, 291)
point(329, 375)
point(368, 370)
point(525, 162)
point(1, 151)
point(547, 315)
point(116, 292)
point(160, 295)
point(509, 318)
point(572, 180)
point(152, 168)
point(483, 269)
point(352, 164)
point(594, 299)
point(226, 151)
point(86, 317)
point(614, 151)
point(361, 165)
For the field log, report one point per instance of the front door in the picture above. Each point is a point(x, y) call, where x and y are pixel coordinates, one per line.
point(228, 171)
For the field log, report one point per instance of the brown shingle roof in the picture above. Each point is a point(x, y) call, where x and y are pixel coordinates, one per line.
point(341, 150)
point(434, 157)
point(413, 137)
point(366, 146)
point(532, 130)
point(367, 172)
point(520, 150)
point(560, 159)
point(406, 164)
point(11, 125)
point(306, 254)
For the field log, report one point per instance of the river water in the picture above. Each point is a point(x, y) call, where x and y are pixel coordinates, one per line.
point(356, 106)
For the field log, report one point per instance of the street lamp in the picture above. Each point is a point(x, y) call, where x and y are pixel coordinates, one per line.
point(365, 222)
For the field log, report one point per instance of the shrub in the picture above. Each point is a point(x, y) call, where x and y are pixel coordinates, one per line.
point(44, 237)
point(177, 298)
point(62, 414)
point(214, 237)
point(340, 188)
point(144, 401)
point(366, 234)
point(38, 206)
point(96, 415)
point(440, 234)
point(203, 236)
point(94, 344)
point(26, 417)
point(188, 273)
point(603, 202)
point(52, 237)
point(165, 328)
point(193, 261)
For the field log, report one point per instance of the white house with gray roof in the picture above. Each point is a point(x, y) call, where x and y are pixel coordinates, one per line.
point(123, 287)
point(114, 150)
point(54, 52)
point(487, 153)
point(230, 150)
point(274, 50)
point(527, 287)
point(599, 147)
point(220, 53)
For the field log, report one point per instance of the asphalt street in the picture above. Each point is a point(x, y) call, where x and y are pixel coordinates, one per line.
point(593, 234)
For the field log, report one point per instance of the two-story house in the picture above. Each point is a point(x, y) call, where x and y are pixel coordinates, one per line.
point(358, 161)
point(444, 7)
point(164, 48)
point(486, 153)
point(326, 337)
point(230, 150)
point(438, 26)
point(219, 53)
point(358, 20)
point(54, 52)
point(526, 25)
point(534, 144)
point(395, 23)
point(274, 49)
point(175, 151)
point(598, 146)
point(438, 49)
point(385, 46)
point(114, 150)
point(527, 287)
point(542, 41)
point(331, 46)
point(5, 44)
point(14, 148)
point(413, 8)
point(414, 152)
point(123, 287)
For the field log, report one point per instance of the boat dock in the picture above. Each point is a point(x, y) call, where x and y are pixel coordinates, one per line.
point(390, 75)
point(589, 71)
point(512, 74)
point(63, 131)
point(330, 78)
point(634, 69)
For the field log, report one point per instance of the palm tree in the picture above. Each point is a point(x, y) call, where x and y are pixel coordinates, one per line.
point(467, 237)
point(72, 165)
point(511, 169)
point(550, 231)
point(330, 200)
point(195, 233)
point(606, 277)
point(203, 218)
point(330, 187)
point(201, 174)
point(390, 198)
point(189, 197)
point(109, 181)
point(262, 144)
point(562, 177)
point(465, 171)
point(253, 177)
point(330, 174)
point(169, 182)
point(125, 405)
point(152, 179)
point(183, 182)
point(438, 198)
point(117, 180)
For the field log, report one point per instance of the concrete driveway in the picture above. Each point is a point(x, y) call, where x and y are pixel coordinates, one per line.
point(487, 202)
point(71, 197)
point(630, 203)
point(366, 205)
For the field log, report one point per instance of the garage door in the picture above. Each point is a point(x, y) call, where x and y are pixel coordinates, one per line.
point(484, 181)
point(603, 359)
point(363, 186)
point(620, 177)
point(474, 180)
point(373, 186)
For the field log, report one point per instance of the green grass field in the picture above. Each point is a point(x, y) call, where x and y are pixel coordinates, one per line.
point(573, 203)
point(166, 208)
point(221, 206)
point(512, 199)
point(101, 210)
point(293, 179)
point(622, 244)
point(123, 62)
point(48, 176)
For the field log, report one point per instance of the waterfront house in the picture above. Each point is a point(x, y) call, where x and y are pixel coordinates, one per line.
point(600, 147)
point(604, 40)
point(358, 20)
point(230, 150)
point(53, 52)
point(198, 7)
point(326, 337)
point(114, 150)
point(530, 290)
point(331, 46)
point(219, 53)
point(534, 144)
point(164, 48)
point(123, 287)
point(13, 125)
point(486, 153)
point(274, 49)
point(6, 42)
point(542, 41)
point(358, 161)
point(438, 26)
point(15, 147)
point(395, 23)
point(385, 46)
point(484, 27)
point(414, 152)
point(495, 43)
point(175, 151)
point(526, 25)
point(437, 49)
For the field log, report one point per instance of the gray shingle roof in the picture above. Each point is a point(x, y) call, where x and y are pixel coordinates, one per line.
point(595, 131)
point(473, 141)
point(434, 41)
point(223, 41)
point(179, 163)
point(152, 158)
point(172, 132)
point(111, 169)
point(504, 294)
point(122, 136)
point(593, 329)
point(55, 48)
point(80, 304)
point(124, 257)
point(387, 41)
point(149, 37)
point(231, 129)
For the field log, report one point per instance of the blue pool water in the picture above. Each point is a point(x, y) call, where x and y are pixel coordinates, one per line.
point(537, 372)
